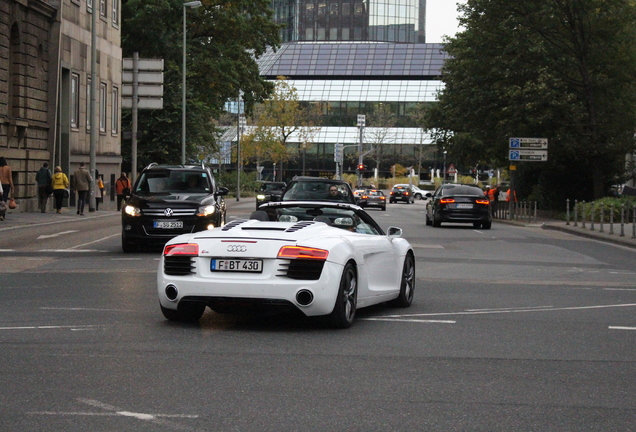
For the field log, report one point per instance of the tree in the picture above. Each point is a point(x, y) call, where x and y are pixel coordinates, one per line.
point(276, 120)
point(223, 40)
point(381, 122)
point(560, 69)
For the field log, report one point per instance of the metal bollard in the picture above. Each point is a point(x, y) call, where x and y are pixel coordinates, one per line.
point(592, 211)
point(611, 231)
point(535, 212)
point(602, 218)
point(622, 220)
point(576, 212)
point(583, 216)
point(567, 211)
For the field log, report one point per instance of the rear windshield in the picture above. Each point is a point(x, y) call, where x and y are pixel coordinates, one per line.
point(462, 190)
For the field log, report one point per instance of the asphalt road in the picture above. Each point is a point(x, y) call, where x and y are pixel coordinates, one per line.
point(513, 328)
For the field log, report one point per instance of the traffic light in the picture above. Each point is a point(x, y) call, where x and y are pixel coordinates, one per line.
point(361, 167)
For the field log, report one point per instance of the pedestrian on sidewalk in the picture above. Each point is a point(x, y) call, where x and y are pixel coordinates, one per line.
point(82, 184)
point(6, 179)
point(43, 179)
point(99, 190)
point(122, 189)
point(60, 185)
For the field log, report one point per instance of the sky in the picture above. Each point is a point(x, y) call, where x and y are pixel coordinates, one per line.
point(441, 19)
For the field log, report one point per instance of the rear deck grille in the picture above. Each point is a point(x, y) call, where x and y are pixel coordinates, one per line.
point(178, 265)
point(301, 269)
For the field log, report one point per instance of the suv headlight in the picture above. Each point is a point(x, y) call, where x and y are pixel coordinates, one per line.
point(132, 210)
point(260, 197)
point(206, 210)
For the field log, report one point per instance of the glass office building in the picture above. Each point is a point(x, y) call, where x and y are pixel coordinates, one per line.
point(351, 20)
point(351, 56)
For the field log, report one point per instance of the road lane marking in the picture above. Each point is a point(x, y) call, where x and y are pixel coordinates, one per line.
point(56, 235)
point(621, 328)
point(51, 327)
point(85, 309)
point(408, 320)
point(518, 310)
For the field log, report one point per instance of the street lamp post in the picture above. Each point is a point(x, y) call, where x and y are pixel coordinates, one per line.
point(444, 181)
point(192, 4)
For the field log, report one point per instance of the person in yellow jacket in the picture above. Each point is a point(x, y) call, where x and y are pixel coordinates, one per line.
point(60, 185)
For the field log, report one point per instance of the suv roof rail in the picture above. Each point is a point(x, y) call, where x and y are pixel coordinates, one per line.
point(151, 165)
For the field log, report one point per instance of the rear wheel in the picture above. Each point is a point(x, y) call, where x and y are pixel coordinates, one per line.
point(476, 224)
point(187, 312)
point(344, 311)
point(384, 208)
point(407, 286)
point(486, 225)
point(428, 220)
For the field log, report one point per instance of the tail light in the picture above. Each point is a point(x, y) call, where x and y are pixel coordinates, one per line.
point(406, 193)
point(189, 249)
point(447, 200)
point(382, 198)
point(364, 197)
point(482, 201)
point(299, 252)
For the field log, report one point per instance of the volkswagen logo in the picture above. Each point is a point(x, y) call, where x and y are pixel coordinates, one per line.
point(167, 212)
point(237, 248)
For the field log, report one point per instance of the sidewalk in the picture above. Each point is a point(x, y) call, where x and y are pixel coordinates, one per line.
point(609, 234)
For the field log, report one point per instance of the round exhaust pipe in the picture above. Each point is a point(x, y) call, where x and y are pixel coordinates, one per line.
point(304, 297)
point(171, 292)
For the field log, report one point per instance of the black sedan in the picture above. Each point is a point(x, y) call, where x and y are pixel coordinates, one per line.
point(372, 198)
point(459, 203)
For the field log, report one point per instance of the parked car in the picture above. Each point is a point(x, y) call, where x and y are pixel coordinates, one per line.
point(372, 198)
point(269, 191)
point(319, 258)
point(168, 200)
point(459, 203)
point(402, 192)
point(318, 189)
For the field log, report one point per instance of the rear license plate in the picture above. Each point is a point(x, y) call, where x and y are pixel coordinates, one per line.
point(237, 265)
point(464, 206)
point(168, 225)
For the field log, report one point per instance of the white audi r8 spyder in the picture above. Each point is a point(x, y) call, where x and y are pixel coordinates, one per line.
point(319, 258)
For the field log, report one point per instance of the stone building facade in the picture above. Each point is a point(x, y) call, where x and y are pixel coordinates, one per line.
point(45, 70)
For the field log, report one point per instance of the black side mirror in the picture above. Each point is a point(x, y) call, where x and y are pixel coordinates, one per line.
point(222, 191)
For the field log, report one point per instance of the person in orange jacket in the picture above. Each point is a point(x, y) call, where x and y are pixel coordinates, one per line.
point(508, 196)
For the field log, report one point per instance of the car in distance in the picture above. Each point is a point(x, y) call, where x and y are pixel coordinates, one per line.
point(269, 191)
point(372, 198)
point(402, 192)
point(420, 194)
point(318, 189)
point(322, 259)
point(459, 203)
point(168, 200)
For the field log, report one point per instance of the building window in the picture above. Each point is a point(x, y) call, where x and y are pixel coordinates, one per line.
point(89, 5)
point(115, 111)
point(102, 107)
point(102, 7)
point(89, 117)
point(116, 13)
point(74, 102)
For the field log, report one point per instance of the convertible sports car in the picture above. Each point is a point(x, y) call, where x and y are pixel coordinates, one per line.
point(319, 258)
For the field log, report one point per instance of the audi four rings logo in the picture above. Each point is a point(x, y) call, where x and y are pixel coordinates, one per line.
point(237, 248)
point(168, 212)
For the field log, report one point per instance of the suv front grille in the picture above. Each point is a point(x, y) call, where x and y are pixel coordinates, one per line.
point(176, 212)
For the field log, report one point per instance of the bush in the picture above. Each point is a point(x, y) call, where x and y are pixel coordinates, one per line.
point(609, 205)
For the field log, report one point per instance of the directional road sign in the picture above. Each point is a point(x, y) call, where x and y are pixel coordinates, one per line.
point(528, 143)
point(528, 155)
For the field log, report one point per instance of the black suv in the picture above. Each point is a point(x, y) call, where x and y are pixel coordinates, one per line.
point(318, 189)
point(269, 191)
point(168, 200)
